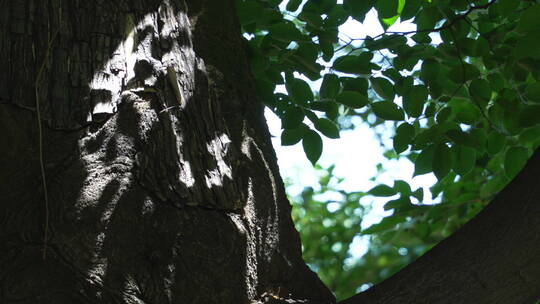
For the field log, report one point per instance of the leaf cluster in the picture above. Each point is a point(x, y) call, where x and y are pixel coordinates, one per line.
point(462, 91)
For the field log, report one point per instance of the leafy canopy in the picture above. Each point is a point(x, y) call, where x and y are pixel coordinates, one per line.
point(462, 93)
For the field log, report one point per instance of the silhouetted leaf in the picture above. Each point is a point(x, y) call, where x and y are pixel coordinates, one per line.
point(312, 144)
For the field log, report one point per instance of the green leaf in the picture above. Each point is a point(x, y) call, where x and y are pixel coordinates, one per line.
point(427, 136)
point(285, 31)
point(353, 64)
point(442, 161)
point(312, 144)
point(443, 115)
point(465, 111)
point(482, 47)
point(330, 86)
point(478, 138)
point(292, 118)
point(496, 81)
point(427, 18)
point(495, 142)
point(455, 34)
point(387, 22)
point(430, 70)
point(386, 223)
point(358, 9)
point(383, 87)
point(461, 5)
point(322, 106)
point(404, 137)
point(419, 194)
point(386, 8)
point(507, 7)
point(291, 137)
point(329, 35)
point(337, 16)
point(414, 100)
point(299, 91)
point(410, 9)
point(327, 49)
point(514, 160)
point(480, 90)
point(391, 42)
point(400, 204)
point(352, 99)
point(529, 20)
point(529, 116)
point(357, 84)
point(308, 52)
point(248, 11)
point(387, 110)
point(424, 161)
point(311, 116)
point(528, 46)
point(327, 127)
point(431, 109)
point(463, 73)
point(312, 18)
point(274, 3)
point(382, 190)
point(394, 75)
point(465, 159)
point(533, 92)
point(402, 187)
point(531, 136)
point(421, 38)
point(293, 5)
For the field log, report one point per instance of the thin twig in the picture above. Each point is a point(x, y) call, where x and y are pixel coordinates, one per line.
point(40, 144)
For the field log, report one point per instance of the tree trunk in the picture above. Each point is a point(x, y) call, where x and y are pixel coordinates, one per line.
point(136, 164)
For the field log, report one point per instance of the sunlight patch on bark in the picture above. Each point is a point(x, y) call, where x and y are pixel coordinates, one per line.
point(99, 265)
point(249, 219)
point(218, 148)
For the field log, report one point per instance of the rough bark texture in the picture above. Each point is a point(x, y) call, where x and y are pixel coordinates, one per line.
point(494, 258)
point(162, 186)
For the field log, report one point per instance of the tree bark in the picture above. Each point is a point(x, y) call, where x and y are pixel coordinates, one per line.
point(494, 258)
point(159, 183)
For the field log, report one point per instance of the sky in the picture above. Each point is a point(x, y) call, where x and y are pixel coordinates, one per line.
point(355, 155)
